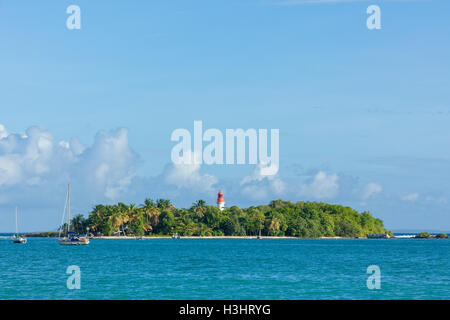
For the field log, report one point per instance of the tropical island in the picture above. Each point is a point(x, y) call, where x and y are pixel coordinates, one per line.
point(277, 219)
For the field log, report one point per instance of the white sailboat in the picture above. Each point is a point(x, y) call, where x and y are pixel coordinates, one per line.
point(16, 238)
point(71, 238)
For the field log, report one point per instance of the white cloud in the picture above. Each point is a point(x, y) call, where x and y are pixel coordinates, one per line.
point(3, 132)
point(410, 197)
point(188, 175)
point(10, 171)
point(35, 158)
point(258, 186)
point(24, 156)
point(109, 164)
point(370, 190)
point(255, 192)
point(323, 186)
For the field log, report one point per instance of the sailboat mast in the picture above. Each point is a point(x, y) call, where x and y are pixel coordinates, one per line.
point(68, 208)
point(17, 228)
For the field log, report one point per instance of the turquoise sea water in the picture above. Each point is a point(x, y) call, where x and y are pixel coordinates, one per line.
point(227, 269)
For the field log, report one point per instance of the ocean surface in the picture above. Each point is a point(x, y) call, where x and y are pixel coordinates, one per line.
point(226, 269)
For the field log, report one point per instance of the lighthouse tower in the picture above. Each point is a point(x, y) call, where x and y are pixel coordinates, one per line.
point(220, 201)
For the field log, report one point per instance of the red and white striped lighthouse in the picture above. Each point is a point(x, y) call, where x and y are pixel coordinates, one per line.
point(220, 201)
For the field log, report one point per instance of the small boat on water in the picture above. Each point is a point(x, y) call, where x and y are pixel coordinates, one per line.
point(71, 238)
point(16, 238)
point(176, 236)
point(19, 240)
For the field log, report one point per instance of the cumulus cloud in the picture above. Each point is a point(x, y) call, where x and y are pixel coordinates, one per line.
point(370, 190)
point(3, 132)
point(188, 175)
point(410, 197)
point(109, 164)
point(35, 159)
point(25, 157)
point(322, 186)
point(258, 186)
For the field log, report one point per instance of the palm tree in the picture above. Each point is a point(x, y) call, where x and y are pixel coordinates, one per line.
point(199, 207)
point(77, 223)
point(148, 206)
point(199, 203)
point(96, 217)
point(125, 218)
point(151, 213)
point(164, 204)
point(116, 218)
point(132, 212)
point(274, 226)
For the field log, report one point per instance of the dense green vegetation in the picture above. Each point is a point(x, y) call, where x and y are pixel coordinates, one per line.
point(424, 235)
point(279, 218)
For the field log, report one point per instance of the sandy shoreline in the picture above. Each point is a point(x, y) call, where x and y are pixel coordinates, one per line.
point(55, 235)
point(38, 235)
point(210, 237)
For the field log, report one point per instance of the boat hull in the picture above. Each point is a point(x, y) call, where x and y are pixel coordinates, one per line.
point(70, 242)
point(20, 241)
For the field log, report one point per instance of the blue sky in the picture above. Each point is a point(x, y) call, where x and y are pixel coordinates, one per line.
point(363, 114)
